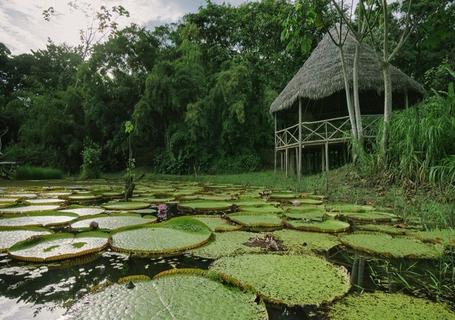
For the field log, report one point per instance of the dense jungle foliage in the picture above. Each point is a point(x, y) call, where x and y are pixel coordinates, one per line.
point(198, 90)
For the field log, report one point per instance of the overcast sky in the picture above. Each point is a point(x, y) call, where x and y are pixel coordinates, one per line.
point(23, 28)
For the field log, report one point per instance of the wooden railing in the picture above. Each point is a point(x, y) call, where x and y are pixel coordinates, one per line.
point(324, 131)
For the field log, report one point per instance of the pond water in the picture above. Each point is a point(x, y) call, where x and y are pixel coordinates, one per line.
point(47, 290)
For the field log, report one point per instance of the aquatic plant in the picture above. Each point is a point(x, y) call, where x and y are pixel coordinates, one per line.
point(204, 206)
point(88, 211)
point(59, 246)
point(329, 225)
point(170, 296)
point(53, 218)
point(379, 306)
point(256, 220)
point(127, 205)
point(11, 236)
point(26, 209)
point(112, 221)
point(217, 223)
point(292, 280)
point(301, 241)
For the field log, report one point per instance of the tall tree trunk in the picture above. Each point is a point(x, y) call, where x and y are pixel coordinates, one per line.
point(347, 89)
point(355, 85)
point(387, 109)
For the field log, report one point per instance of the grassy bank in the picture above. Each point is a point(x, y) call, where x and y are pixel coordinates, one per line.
point(429, 204)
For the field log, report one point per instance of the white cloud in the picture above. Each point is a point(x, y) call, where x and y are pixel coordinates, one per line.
point(22, 26)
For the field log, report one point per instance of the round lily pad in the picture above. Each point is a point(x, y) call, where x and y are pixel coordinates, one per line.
point(11, 236)
point(177, 295)
point(255, 202)
point(44, 201)
point(307, 214)
point(7, 204)
point(379, 306)
point(83, 197)
point(26, 209)
point(21, 195)
point(329, 225)
point(216, 223)
point(301, 241)
point(38, 219)
point(130, 205)
point(8, 200)
point(153, 200)
point(90, 211)
point(283, 196)
point(253, 220)
point(264, 209)
point(227, 244)
point(292, 280)
point(112, 194)
point(382, 228)
point(346, 207)
point(59, 246)
point(394, 247)
point(113, 221)
point(174, 236)
point(369, 216)
point(310, 201)
point(444, 236)
point(203, 205)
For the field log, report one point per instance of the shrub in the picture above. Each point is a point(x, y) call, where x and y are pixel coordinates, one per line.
point(91, 161)
point(37, 173)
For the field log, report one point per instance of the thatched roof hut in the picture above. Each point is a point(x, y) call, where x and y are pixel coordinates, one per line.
point(321, 76)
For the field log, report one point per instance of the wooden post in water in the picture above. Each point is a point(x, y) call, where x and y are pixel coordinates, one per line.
point(326, 156)
point(406, 99)
point(274, 163)
point(299, 162)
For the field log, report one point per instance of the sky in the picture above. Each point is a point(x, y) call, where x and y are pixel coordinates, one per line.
point(23, 28)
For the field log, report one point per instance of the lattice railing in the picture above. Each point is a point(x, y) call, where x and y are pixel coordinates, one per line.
point(325, 131)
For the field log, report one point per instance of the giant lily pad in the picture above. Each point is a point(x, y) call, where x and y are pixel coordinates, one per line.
point(280, 196)
point(90, 211)
point(307, 214)
point(253, 220)
point(216, 223)
point(264, 209)
point(308, 201)
point(11, 236)
point(59, 246)
point(382, 228)
point(385, 306)
point(444, 236)
point(170, 237)
point(301, 241)
point(329, 225)
point(227, 244)
point(369, 216)
point(8, 200)
point(152, 200)
point(395, 247)
point(177, 295)
point(207, 206)
point(44, 201)
point(38, 219)
point(130, 205)
point(346, 207)
point(83, 197)
point(113, 221)
point(29, 209)
point(286, 279)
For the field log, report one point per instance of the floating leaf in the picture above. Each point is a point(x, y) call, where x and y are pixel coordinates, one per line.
point(130, 205)
point(113, 221)
point(29, 209)
point(256, 220)
point(379, 306)
point(38, 219)
point(216, 223)
point(301, 241)
point(174, 236)
point(11, 236)
point(84, 211)
point(203, 205)
point(182, 296)
point(329, 225)
point(285, 279)
point(394, 247)
point(59, 246)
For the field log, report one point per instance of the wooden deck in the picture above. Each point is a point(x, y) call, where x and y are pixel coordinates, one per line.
point(317, 133)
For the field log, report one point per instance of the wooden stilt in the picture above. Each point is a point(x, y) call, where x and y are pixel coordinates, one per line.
point(322, 159)
point(406, 99)
point(286, 162)
point(327, 157)
point(299, 155)
point(274, 162)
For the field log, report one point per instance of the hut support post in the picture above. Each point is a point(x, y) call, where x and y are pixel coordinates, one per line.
point(299, 162)
point(286, 162)
point(326, 157)
point(406, 99)
point(322, 159)
point(274, 163)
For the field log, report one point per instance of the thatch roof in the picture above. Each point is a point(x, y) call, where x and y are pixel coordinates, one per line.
point(321, 75)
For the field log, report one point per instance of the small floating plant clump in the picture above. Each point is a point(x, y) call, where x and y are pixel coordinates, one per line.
point(11, 236)
point(171, 237)
point(227, 244)
point(379, 306)
point(392, 247)
point(182, 295)
point(59, 246)
point(113, 221)
point(292, 280)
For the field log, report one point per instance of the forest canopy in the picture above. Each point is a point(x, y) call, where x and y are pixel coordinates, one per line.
point(198, 91)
